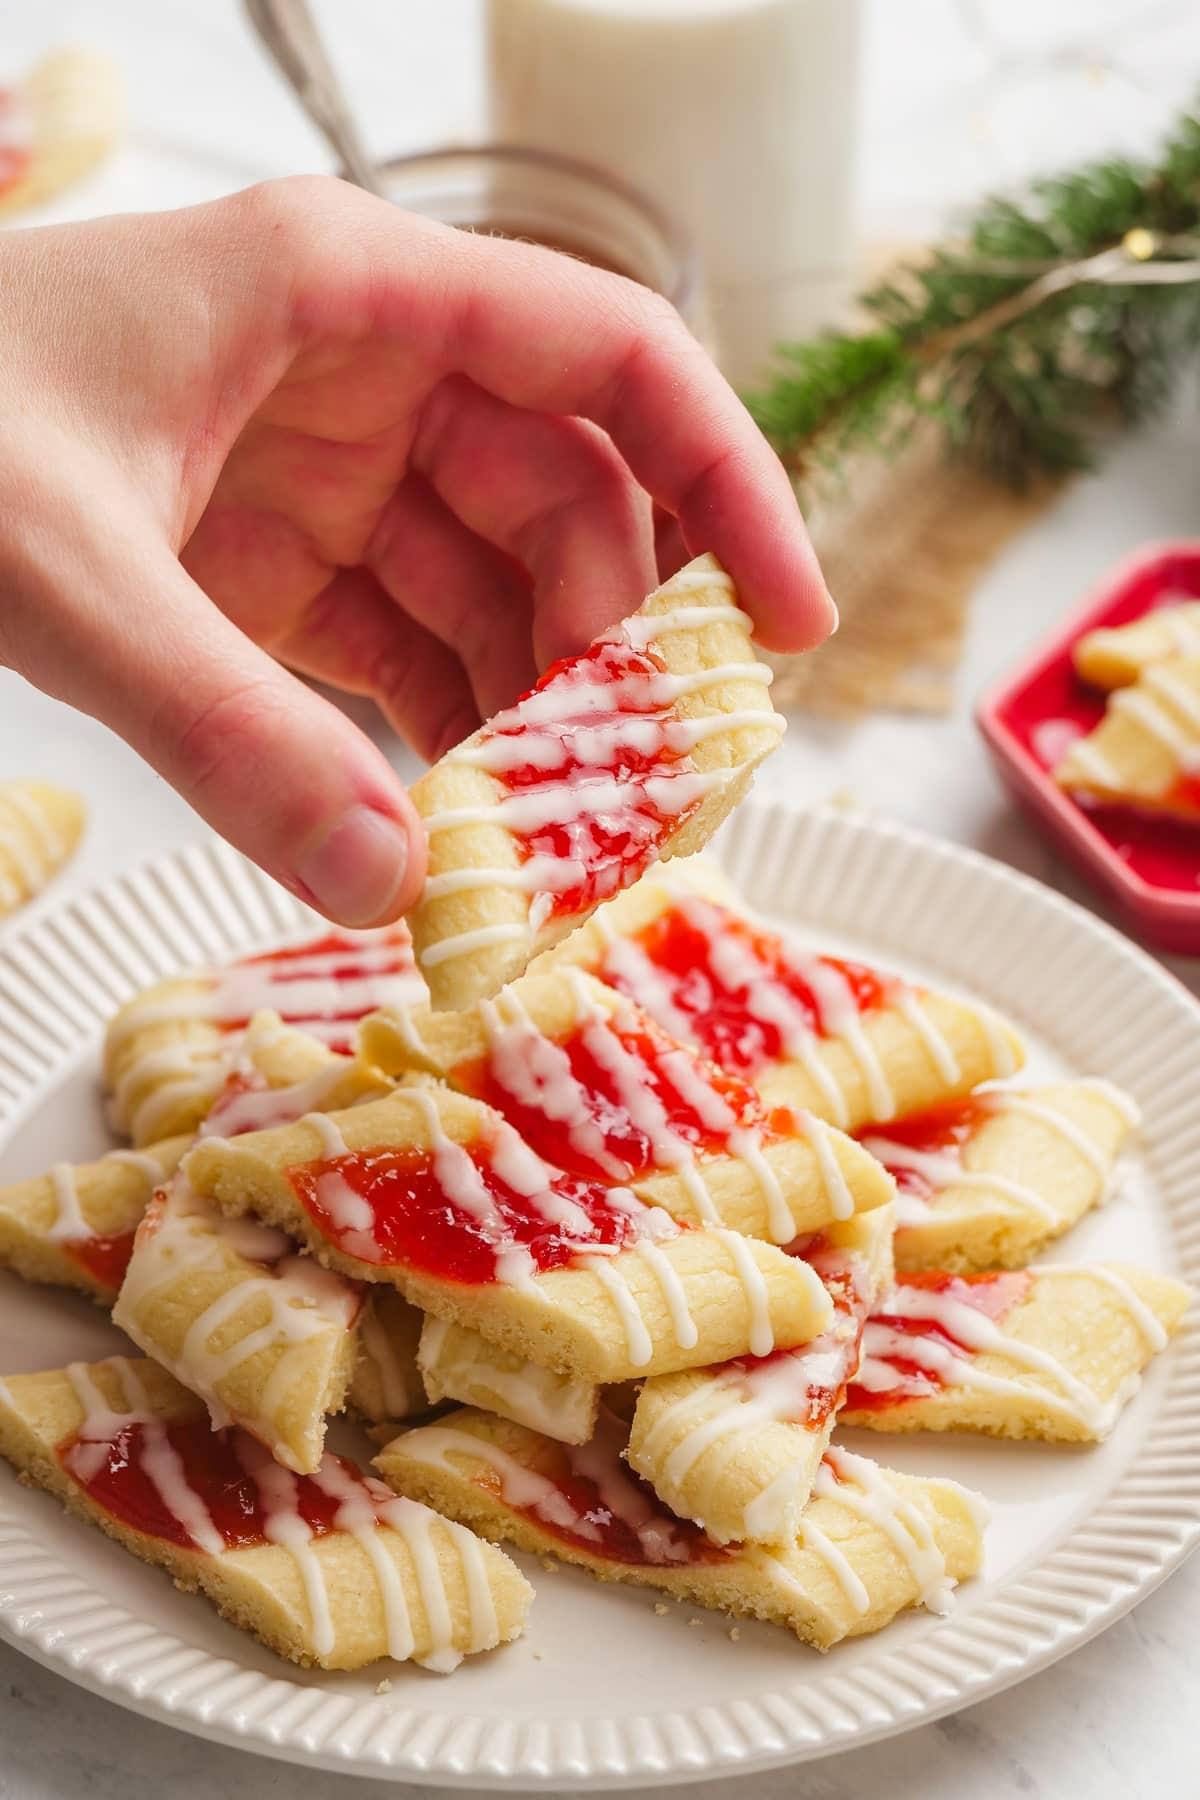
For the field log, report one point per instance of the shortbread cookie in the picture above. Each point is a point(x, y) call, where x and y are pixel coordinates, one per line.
point(1051, 1352)
point(987, 1182)
point(168, 1051)
point(737, 1448)
point(73, 1227)
point(871, 1542)
point(325, 1568)
point(263, 1334)
point(1119, 656)
point(631, 753)
point(601, 1090)
point(63, 119)
point(1145, 752)
point(40, 826)
point(386, 1385)
point(459, 1364)
point(848, 1043)
point(434, 1193)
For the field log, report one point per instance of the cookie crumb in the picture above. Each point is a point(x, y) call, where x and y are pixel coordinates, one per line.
point(384, 1686)
point(550, 1567)
point(661, 1608)
point(695, 1621)
point(734, 1634)
point(537, 1656)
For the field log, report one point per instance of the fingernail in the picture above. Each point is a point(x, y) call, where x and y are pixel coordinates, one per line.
point(833, 607)
point(354, 872)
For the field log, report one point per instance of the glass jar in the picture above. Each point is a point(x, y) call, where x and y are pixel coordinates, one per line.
point(570, 206)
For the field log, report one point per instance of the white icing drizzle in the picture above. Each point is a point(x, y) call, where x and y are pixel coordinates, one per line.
point(682, 1323)
point(811, 1537)
point(943, 1169)
point(837, 1188)
point(972, 1334)
point(144, 1161)
point(733, 1404)
point(160, 1462)
point(1083, 1145)
point(761, 1336)
point(262, 1108)
point(1085, 760)
point(462, 943)
point(840, 1018)
point(853, 1482)
point(527, 1490)
point(367, 1511)
point(638, 1341)
point(1002, 1055)
point(1137, 703)
point(329, 1133)
point(1172, 687)
point(69, 1223)
point(1144, 1317)
point(184, 1235)
point(31, 844)
point(304, 990)
point(944, 1060)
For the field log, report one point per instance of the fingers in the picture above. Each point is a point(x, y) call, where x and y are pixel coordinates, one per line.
point(356, 637)
point(464, 591)
point(544, 332)
point(108, 621)
point(551, 492)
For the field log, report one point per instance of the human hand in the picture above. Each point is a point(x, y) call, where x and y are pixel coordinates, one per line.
point(298, 427)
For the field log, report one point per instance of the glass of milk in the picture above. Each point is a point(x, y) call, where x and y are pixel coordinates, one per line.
point(738, 117)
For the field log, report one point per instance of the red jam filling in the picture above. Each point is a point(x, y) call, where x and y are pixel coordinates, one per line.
point(613, 842)
point(14, 161)
point(603, 1508)
point(414, 1222)
point(623, 1149)
point(994, 1294)
point(364, 966)
point(943, 1130)
point(725, 1016)
point(214, 1465)
point(105, 1259)
point(822, 1368)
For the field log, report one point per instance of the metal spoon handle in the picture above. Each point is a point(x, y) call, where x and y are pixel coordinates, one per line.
point(289, 33)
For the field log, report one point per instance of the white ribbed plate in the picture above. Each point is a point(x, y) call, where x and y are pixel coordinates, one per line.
point(602, 1692)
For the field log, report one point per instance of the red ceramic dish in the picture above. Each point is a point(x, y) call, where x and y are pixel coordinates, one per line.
point(1149, 867)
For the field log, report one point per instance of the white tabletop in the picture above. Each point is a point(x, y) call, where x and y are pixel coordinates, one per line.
point(1007, 87)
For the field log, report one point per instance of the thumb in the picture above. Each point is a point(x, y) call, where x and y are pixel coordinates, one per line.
point(276, 769)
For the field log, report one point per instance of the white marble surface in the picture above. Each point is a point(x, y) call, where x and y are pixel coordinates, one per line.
point(959, 96)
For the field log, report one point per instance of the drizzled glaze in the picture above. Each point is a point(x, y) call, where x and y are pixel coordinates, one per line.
point(596, 770)
point(27, 836)
point(802, 1387)
point(324, 987)
point(617, 1099)
point(475, 1213)
point(933, 1328)
point(218, 1491)
point(589, 1501)
point(102, 1255)
point(183, 1236)
point(924, 1152)
point(746, 997)
point(583, 1495)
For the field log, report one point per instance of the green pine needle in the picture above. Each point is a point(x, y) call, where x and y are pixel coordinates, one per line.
point(1036, 389)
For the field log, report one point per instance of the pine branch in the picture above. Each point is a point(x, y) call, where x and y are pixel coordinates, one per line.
point(1049, 323)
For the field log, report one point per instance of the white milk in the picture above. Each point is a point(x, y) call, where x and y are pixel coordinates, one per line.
point(737, 116)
